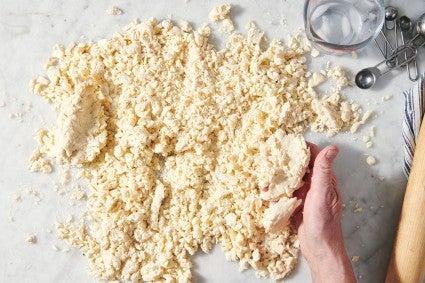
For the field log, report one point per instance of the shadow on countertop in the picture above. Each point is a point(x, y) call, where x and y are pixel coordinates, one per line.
point(369, 233)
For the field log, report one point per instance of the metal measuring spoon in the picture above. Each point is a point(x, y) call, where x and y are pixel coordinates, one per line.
point(420, 29)
point(391, 14)
point(406, 26)
point(366, 78)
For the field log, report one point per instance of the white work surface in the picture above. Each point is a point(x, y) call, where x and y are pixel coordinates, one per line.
point(28, 31)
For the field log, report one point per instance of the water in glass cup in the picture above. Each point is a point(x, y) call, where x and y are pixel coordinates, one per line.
point(343, 25)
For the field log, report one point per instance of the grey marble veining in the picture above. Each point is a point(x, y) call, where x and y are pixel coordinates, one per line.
point(29, 30)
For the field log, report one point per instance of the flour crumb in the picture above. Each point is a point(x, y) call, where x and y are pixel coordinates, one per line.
point(31, 239)
point(114, 11)
point(366, 139)
point(369, 144)
point(354, 55)
point(370, 160)
point(2, 104)
point(55, 248)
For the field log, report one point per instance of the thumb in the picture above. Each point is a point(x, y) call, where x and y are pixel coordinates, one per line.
point(322, 170)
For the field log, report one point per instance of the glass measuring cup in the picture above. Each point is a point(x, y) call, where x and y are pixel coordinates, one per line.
point(337, 26)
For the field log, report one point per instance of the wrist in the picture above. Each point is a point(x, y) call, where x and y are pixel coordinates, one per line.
point(331, 265)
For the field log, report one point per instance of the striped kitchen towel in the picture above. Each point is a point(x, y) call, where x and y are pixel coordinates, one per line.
point(414, 108)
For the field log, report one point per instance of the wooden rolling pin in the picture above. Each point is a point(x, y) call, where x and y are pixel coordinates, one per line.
point(407, 264)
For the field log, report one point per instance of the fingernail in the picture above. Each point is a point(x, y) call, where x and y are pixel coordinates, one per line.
point(331, 153)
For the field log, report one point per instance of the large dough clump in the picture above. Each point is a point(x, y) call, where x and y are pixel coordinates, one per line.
point(281, 165)
point(81, 132)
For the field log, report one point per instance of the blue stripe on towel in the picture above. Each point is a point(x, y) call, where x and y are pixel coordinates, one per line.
point(414, 108)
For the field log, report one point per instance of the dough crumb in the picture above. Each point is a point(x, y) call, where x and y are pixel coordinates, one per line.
point(354, 55)
point(2, 104)
point(31, 239)
point(372, 131)
point(37, 163)
point(366, 116)
point(357, 208)
point(65, 178)
point(370, 160)
point(114, 11)
point(316, 79)
point(227, 26)
point(355, 258)
point(369, 144)
point(55, 248)
point(386, 98)
point(314, 52)
point(219, 13)
point(78, 193)
point(18, 198)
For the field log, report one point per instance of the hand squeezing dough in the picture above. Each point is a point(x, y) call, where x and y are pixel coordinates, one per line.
point(281, 165)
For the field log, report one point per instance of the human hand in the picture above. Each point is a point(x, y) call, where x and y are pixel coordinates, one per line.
point(319, 220)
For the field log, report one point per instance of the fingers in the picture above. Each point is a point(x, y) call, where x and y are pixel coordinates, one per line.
point(322, 169)
point(301, 193)
point(324, 186)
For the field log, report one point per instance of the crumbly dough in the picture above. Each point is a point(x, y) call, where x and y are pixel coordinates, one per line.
point(38, 163)
point(221, 14)
point(169, 133)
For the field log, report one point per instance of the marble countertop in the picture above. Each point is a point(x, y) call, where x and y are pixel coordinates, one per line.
point(28, 31)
